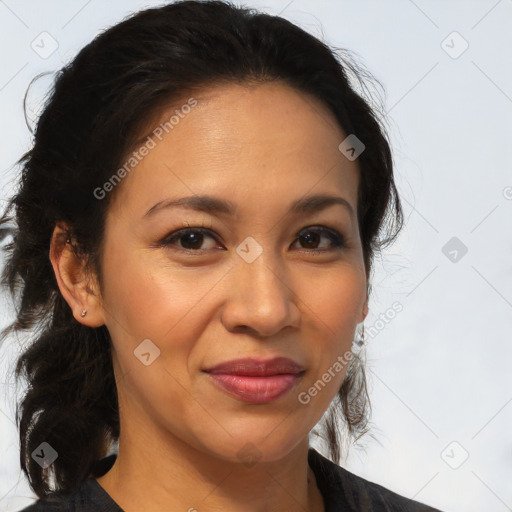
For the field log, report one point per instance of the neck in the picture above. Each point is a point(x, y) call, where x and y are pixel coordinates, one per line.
point(183, 478)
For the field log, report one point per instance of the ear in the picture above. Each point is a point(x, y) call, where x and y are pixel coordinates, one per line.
point(364, 313)
point(80, 290)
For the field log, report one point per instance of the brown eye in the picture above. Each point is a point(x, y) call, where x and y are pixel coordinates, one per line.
point(311, 238)
point(190, 239)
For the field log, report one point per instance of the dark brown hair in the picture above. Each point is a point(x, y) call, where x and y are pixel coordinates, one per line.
point(89, 123)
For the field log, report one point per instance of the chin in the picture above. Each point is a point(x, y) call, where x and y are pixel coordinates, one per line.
point(250, 449)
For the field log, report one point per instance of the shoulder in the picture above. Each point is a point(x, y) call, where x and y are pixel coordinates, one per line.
point(76, 501)
point(343, 490)
point(88, 497)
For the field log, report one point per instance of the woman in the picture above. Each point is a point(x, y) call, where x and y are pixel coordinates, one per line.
point(197, 221)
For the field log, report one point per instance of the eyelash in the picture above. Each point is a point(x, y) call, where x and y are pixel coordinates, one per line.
point(336, 238)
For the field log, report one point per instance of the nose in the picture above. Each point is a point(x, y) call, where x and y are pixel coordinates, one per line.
point(260, 298)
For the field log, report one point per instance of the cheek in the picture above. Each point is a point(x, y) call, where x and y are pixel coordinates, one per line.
point(331, 304)
point(148, 296)
point(333, 300)
point(148, 299)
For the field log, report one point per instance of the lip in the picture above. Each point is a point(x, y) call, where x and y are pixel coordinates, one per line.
point(258, 367)
point(256, 381)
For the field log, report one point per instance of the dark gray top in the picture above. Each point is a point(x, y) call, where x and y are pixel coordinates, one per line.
point(342, 491)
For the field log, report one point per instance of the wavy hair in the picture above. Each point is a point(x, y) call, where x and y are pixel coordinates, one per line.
point(90, 121)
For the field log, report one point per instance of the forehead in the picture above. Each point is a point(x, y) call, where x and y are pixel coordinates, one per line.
point(239, 138)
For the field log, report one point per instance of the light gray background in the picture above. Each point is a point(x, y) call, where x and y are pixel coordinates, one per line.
point(440, 370)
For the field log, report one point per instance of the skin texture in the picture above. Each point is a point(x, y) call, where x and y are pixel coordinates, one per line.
point(261, 147)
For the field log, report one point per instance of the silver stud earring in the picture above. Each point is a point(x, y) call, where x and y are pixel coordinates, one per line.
point(84, 312)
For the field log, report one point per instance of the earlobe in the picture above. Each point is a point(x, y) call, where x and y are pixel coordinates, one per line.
point(365, 309)
point(73, 282)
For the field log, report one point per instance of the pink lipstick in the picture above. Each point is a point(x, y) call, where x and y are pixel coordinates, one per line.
point(256, 381)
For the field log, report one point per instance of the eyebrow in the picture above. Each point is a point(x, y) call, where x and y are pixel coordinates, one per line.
point(214, 205)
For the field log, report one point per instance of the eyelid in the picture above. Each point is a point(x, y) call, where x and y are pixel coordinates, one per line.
point(166, 241)
point(337, 238)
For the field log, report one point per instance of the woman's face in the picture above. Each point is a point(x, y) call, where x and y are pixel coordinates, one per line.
point(247, 286)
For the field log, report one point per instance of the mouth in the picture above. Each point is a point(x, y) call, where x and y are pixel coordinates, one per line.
point(256, 381)
point(257, 367)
